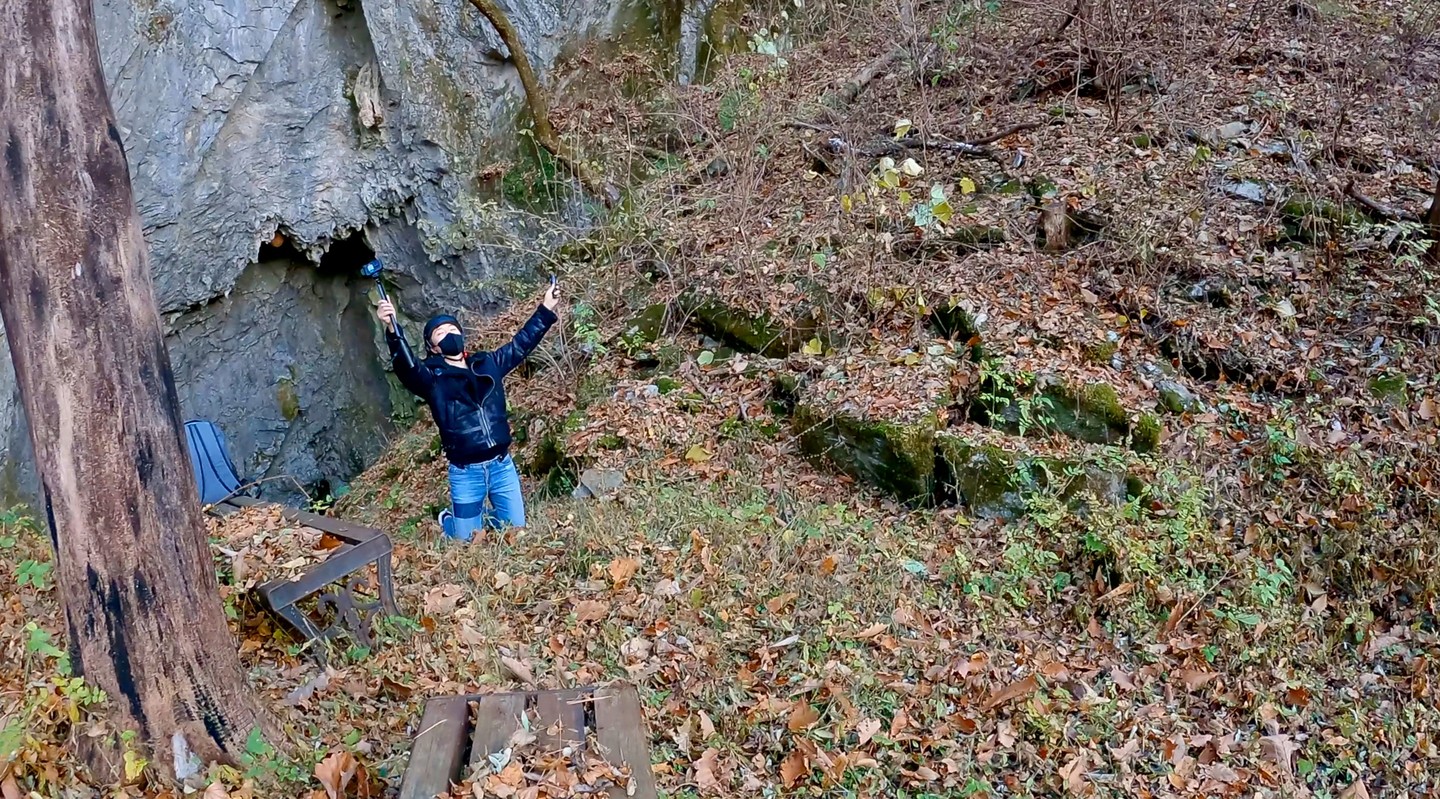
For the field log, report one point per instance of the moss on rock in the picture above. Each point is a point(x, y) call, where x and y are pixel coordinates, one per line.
point(644, 328)
point(995, 484)
point(288, 399)
point(1145, 433)
point(743, 331)
point(1308, 218)
point(898, 458)
point(1090, 412)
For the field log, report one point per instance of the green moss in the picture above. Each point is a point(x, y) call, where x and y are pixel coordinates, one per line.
point(743, 331)
point(982, 478)
point(645, 327)
point(1145, 433)
point(1101, 352)
point(995, 484)
point(1390, 387)
point(950, 319)
point(288, 399)
point(896, 458)
point(1091, 413)
point(547, 460)
point(1308, 218)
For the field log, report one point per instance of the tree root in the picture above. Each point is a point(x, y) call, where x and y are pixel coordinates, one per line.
point(1380, 211)
point(893, 148)
point(539, 105)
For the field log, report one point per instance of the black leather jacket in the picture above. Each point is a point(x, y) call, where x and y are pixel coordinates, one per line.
point(469, 403)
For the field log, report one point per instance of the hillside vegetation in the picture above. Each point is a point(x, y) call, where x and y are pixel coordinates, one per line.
point(988, 399)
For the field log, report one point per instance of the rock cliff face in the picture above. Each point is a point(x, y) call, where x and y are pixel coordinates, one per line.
point(275, 145)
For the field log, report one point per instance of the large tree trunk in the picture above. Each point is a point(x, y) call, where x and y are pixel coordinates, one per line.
point(132, 563)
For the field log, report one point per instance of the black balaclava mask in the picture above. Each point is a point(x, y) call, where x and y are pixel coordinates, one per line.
point(452, 345)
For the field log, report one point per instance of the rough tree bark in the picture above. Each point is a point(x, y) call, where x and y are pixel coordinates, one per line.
point(539, 104)
point(133, 567)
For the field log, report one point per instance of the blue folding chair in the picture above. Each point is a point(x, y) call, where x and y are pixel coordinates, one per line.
point(215, 473)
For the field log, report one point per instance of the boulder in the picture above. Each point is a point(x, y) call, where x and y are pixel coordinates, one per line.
point(1176, 398)
point(1091, 412)
point(746, 332)
point(599, 483)
point(895, 457)
point(993, 483)
point(274, 148)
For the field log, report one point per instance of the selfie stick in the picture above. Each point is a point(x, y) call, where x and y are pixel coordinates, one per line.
point(373, 269)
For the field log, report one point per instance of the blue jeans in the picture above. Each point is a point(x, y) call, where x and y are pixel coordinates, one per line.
point(471, 487)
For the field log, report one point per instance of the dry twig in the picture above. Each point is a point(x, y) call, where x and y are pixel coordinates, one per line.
point(539, 104)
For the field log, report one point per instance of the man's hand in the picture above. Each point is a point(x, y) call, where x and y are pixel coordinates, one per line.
point(552, 297)
point(386, 312)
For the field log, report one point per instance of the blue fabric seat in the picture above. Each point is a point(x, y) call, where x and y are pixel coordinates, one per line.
point(215, 474)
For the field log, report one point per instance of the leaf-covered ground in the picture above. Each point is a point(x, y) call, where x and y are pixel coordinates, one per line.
point(1256, 619)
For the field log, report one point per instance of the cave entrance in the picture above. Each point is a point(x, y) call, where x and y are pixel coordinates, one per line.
point(343, 258)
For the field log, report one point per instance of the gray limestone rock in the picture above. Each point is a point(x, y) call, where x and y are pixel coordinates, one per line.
point(274, 146)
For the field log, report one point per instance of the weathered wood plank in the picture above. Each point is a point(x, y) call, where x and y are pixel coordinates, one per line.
point(438, 751)
point(497, 717)
point(561, 719)
point(620, 731)
point(352, 533)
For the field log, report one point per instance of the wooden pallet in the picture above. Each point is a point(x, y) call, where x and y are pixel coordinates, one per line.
point(452, 741)
point(360, 547)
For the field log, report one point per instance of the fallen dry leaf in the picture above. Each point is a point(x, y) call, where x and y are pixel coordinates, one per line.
point(9, 789)
point(1073, 773)
point(1122, 678)
point(587, 610)
point(1428, 410)
point(705, 771)
point(871, 631)
point(212, 791)
point(622, 569)
point(707, 727)
point(802, 717)
point(335, 772)
point(866, 729)
point(303, 693)
point(1015, 690)
point(778, 603)
point(1280, 750)
point(1357, 790)
point(442, 599)
point(517, 669)
point(793, 767)
point(1194, 679)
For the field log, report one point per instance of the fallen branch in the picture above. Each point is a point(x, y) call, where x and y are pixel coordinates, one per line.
point(898, 147)
point(539, 104)
point(850, 91)
point(914, 141)
point(1379, 210)
point(1006, 133)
